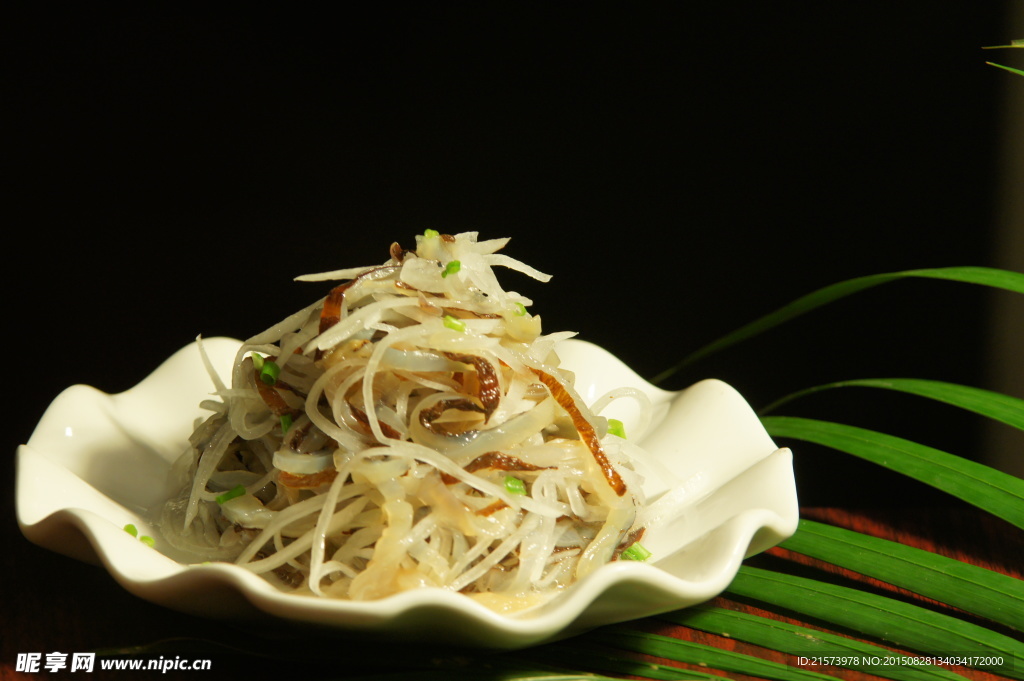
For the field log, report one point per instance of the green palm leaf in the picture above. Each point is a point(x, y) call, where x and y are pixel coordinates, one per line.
point(476, 674)
point(1006, 68)
point(983, 592)
point(703, 655)
point(582, 653)
point(975, 483)
point(905, 625)
point(1013, 43)
point(803, 641)
point(985, 276)
point(997, 406)
point(973, 589)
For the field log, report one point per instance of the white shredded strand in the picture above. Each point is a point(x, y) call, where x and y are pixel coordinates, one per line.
point(410, 442)
point(218, 384)
point(334, 275)
point(642, 400)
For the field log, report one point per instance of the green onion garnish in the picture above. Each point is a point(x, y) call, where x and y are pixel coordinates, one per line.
point(636, 552)
point(514, 485)
point(257, 361)
point(431, 234)
point(270, 372)
point(286, 423)
point(454, 324)
point(451, 268)
point(615, 427)
point(134, 531)
point(520, 310)
point(238, 491)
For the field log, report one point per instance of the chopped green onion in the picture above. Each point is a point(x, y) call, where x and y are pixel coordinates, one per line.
point(270, 372)
point(616, 428)
point(257, 361)
point(431, 234)
point(520, 309)
point(454, 324)
point(514, 485)
point(134, 531)
point(636, 552)
point(451, 268)
point(286, 423)
point(238, 491)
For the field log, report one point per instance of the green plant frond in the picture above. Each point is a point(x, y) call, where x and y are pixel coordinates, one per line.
point(1013, 43)
point(687, 652)
point(987, 488)
point(906, 626)
point(602, 659)
point(985, 593)
point(984, 276)
point(1006, 68)
point(994, 405)
point(802, 641)
point(477, 675)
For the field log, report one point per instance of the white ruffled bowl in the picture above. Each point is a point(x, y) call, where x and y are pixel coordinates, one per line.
point(97, 462)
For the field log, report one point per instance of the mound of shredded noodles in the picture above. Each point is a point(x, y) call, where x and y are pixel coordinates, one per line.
point(410, 429)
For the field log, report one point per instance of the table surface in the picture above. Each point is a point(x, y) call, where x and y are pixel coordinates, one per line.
point(53, 603)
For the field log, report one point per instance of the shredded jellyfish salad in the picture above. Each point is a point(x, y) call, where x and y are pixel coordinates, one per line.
point(410, 429)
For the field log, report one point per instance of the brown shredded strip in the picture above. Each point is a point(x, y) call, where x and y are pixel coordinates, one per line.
point(630, 539)
point(271, 397)
point(586, 431)
point(427, 416)
point(497, 461)
point(294, 437)
point(364, 419)
point(492, 508)
point(398, 253)
point(470, 314)
point(308, 481)
point(281, 385)
point(487, 377)
point(331, 312)
point(502, 462)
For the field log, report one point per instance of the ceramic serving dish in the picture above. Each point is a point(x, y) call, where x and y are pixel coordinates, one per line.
point(97, 462)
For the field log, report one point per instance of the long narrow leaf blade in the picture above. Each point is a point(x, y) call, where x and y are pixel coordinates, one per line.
point(1004, 408)
point(984, 276)
point(1013, 43)
point(475, 675)
point(982, 592)
point(905, 625)
point(602, 659)
point(810, 643)
point(1006, 68)
point(985, 487)
point(707, 656)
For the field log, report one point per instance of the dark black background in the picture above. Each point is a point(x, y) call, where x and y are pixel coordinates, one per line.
point(680, 168)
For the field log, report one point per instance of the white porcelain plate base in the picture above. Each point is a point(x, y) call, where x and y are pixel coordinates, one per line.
point(97, 462)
